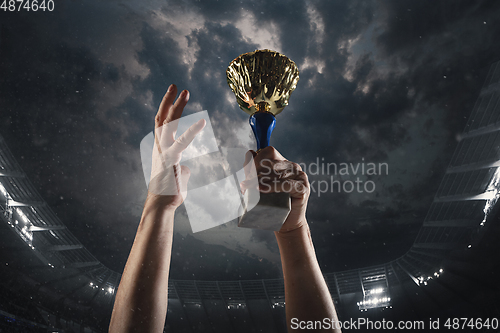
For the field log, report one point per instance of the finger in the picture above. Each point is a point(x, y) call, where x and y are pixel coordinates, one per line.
point(283, 175)
point(165, 105)
point(297, 187)
point(286, 165)
point(270, 153)
point(277, 168)
point(187, 137)
point(175, 112)
point(286, 169)
point(250, 155)
point(264, 166)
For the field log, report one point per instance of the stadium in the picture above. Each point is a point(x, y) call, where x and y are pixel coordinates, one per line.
point(52, 283)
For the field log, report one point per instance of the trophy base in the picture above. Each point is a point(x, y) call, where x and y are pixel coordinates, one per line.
point(265, 211)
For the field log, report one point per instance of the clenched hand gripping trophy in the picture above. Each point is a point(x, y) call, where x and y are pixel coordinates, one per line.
point(262, 82)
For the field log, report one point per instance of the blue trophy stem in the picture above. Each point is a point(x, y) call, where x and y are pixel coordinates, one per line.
point(262, 124)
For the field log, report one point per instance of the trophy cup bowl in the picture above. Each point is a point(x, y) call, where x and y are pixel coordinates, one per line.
point(262, 82)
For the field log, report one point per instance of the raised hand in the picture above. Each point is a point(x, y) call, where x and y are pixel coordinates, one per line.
point(276, 174)
point(168, 178)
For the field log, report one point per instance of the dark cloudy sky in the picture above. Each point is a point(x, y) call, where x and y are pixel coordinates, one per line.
point(380, 82)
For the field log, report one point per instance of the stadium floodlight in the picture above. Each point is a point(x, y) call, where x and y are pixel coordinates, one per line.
point(3, 190)
point(381, 302)
point(375, 298)
point(376, 291)
point(22, 215)
point(493, 189)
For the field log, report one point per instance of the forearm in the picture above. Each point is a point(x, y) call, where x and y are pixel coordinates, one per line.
point(141, 299)
point(306, 294)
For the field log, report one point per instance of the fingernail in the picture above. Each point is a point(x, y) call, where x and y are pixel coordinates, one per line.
point(170, 88)
point(186, 95)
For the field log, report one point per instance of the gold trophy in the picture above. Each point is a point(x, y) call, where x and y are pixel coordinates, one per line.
point(262, 82)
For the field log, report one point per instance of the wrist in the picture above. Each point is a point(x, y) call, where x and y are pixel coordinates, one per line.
point(295, 232)
point(159, 203)
point(296, 247)
point(157, 216)
point(158, 208)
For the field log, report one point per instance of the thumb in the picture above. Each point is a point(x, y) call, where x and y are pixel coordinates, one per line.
point(251, 153)
point(187, 137)
point(249, 164)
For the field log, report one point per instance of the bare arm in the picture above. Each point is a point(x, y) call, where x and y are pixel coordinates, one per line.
point(141, 300)
point(307, 296)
